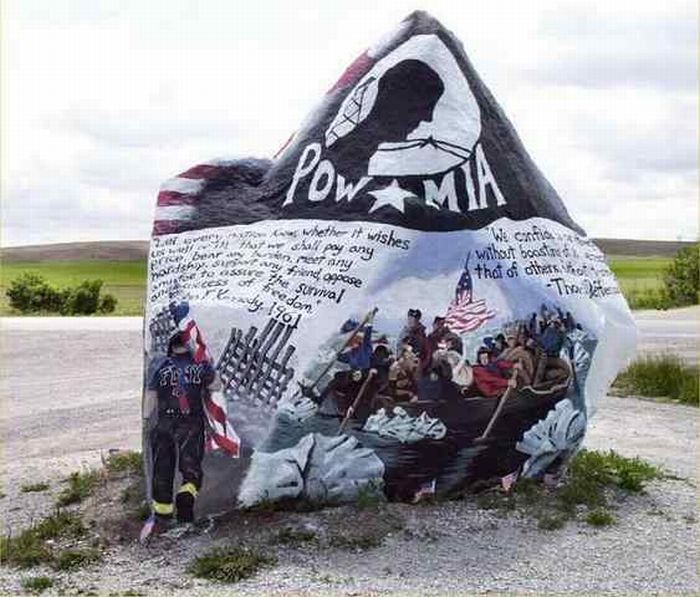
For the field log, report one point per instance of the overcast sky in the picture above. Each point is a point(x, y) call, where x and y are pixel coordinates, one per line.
point(102, 100)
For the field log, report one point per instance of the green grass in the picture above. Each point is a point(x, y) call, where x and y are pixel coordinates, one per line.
point(125, 462)
point(641, 280)
point(663, 375)
point(600, 518)
point(80, 486)
point(37, 584)
point(30, 547)
point(44, 543)
point(34, 487)
point(591, 478)
point(229, 564)
point(126, 280)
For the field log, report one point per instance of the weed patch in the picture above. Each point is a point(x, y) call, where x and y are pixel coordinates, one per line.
point(369, 496)
point(80, 486)
point(590, 478)
point(125, 462)
point(37, 584)
point(30, 547)
point(551, 522)
point(292, 536)
point(664, 375)
point(70, 559)
point(229, 564)
point(600, 518)
point(34, 487)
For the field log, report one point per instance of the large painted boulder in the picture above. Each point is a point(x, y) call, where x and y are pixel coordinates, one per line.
point(397, 302)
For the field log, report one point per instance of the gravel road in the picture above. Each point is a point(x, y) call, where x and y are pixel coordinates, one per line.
point(81, 397)
point(676, 331)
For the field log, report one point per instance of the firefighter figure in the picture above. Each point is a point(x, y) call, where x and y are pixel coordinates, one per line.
point(176, 387)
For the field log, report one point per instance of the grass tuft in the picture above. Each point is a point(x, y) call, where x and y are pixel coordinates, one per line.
point(37, 584)
point(229, 564)
point(600, 518)
point(30, 548)
point(34, 487)
point(664, 375)
point(126, 462)
point(370, 495)
point(551, 522)
point(70, 559)
point(591, 472)
point(80, 486)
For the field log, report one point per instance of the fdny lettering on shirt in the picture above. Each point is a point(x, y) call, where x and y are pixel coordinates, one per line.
point(170, 375)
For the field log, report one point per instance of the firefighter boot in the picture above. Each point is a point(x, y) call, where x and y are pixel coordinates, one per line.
point(184, 505)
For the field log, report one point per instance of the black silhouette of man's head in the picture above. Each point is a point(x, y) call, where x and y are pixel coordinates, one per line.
point(406, 96)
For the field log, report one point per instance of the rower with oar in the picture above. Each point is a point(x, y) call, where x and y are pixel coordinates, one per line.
point(356, 352)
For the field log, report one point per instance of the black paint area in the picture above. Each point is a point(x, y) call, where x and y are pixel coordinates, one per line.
point(247, 191)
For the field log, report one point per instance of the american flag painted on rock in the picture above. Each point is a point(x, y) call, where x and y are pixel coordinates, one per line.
point(177, 196)
point(465, 314)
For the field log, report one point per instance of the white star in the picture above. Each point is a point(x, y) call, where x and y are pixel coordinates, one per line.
point(392, 196)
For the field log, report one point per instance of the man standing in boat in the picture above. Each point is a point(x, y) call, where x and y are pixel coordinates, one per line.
point(413, 334)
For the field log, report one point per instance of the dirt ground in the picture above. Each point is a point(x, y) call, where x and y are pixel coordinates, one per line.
point(81, 398)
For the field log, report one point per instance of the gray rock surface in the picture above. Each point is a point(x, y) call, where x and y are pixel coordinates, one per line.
point(318, 468)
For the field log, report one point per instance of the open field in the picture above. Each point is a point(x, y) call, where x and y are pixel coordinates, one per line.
point(126, 280)
point(640, 278)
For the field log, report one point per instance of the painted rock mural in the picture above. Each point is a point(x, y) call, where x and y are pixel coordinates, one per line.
point(398, 302)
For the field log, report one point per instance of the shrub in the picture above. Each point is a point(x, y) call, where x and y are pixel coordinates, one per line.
point(31, 293)
point(229, 564)
point(663, 375)
point(107, 304)
point(682, 278)
point(84, 299)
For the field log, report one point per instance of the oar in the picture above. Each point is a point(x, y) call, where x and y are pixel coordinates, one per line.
point(356, 402)
point(369, 315)
point(497, 412)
